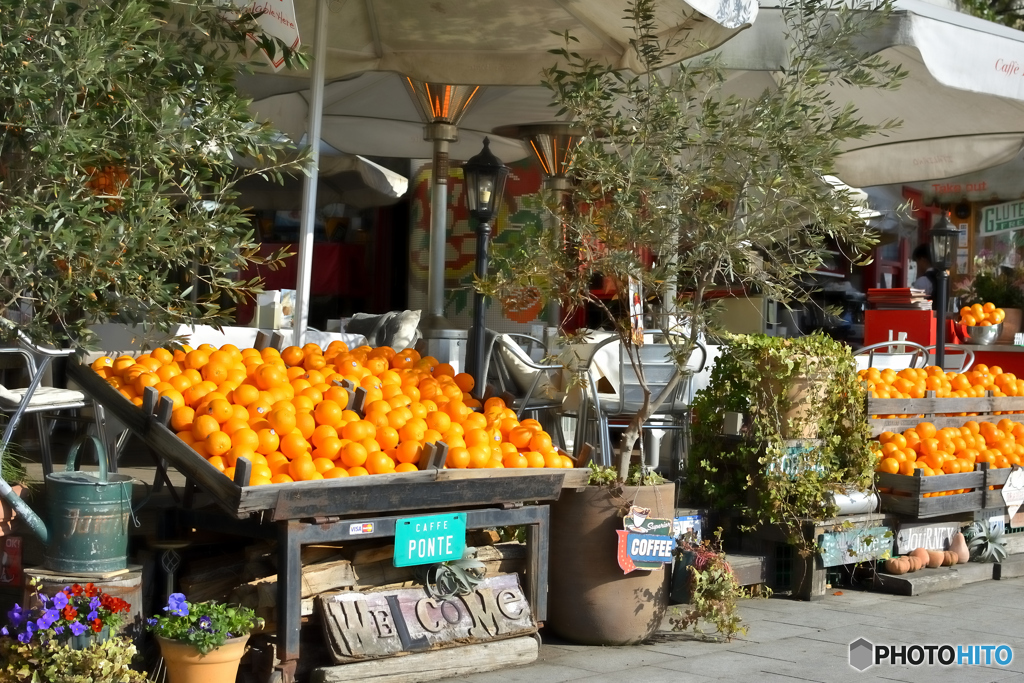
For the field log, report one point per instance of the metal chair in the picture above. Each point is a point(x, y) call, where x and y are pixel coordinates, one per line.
point(44, 402)
point(908, 355)
point(518, 374)
point(957, 358)
point(659, 367)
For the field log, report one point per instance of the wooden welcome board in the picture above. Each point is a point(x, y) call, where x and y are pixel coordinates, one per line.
point(378, 493)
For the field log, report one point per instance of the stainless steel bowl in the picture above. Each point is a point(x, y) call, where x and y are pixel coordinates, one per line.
point(983, 336)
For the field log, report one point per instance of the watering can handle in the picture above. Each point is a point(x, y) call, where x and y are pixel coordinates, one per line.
point(101, 455)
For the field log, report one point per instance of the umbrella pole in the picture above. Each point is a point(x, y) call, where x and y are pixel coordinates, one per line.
point(300, 314)
point(438, 234)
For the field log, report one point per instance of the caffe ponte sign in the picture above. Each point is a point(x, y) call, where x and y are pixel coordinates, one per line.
point(1002, 217)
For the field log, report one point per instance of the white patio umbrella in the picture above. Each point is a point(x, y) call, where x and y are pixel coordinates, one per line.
point(475, 42)
point(962, 104)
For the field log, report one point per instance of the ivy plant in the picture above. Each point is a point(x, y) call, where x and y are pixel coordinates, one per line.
point(804, 437)
point(122, 139)
point(684, 189)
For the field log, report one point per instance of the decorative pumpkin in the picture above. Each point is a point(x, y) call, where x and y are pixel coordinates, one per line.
point(958, 544)
point(921, 554)
point(915, 562)
point(897, 565)
point(949, 558)
point(935, 558)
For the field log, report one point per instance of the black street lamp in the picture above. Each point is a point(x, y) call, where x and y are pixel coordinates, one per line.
point(943, 242)
point(485, 184)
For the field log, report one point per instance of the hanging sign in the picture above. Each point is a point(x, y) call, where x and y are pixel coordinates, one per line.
point(277, 19)
point(1002, 217)
point(636, 311)
point(645, 542)
point(1013, 491)
point(429, 539)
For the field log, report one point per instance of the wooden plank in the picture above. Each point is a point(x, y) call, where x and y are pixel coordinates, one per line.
point(922, 484)
point(931, 507)
point(877, 426)
point(295, 502)
point(436, 665)
point(317, 578)
point(914, 406)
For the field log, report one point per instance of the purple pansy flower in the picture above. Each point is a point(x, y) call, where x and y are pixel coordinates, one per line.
point(60, 601)
point(94, 604)
point(152, 621)
point(92, 616)
point(59, 630)
point(78, 628)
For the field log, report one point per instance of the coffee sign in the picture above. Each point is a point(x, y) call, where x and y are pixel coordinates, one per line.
point(385, 623)
point(645, 542)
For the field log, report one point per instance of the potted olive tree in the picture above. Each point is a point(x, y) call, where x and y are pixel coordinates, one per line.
point(679, 190)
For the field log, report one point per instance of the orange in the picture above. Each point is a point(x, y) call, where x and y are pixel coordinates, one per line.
point(219, 409)
point(281, 478)
point(203, 426)
point(329, 448)
point(535, 459)
point(541, 442)
point(336, 473)
point(194, 360)
point(515, 460)
point(479, 456)
point(181, 419)
point(292, 355)
point(328, 412)
point(302, 469)
point(409, 451)
point(379, 463)
point(357, 472)
point(306, 425)
point(353, 455)
point(554, 461)
point(268, 376)
point(889, 465)
point(387, 437)
point(321, 433)
point(358, 430)
point(406, 467)
point(282, 420)
point(458, 458)
point(293, 445)
point(521, 436)
point(215, 372)
point(236, 452)
point(323, 465)
point(337, 394)
point(246, 438)
point(268, 441)
point(217, 443)
point(926, 430)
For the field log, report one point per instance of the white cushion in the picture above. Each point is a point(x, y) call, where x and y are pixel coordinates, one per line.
point(42, 397)
point(400, 331)
point(516, 361)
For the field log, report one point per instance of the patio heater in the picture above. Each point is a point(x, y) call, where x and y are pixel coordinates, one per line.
point(552, 144)
point(485, 184)
point(441, 106)
point(943, 238)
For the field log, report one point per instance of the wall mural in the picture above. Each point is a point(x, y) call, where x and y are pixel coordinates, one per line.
point(521, 207)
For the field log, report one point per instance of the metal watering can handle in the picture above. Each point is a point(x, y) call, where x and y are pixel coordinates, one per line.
point(101, 455)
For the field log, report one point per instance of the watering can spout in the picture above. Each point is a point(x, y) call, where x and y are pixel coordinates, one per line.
point(26, 513)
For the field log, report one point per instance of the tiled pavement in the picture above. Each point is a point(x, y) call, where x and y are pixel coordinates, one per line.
point(793, 641)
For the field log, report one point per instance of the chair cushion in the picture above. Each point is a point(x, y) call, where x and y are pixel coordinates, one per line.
point(42, 398)
point(400, 330)
point(522, 374)
point(370, 325)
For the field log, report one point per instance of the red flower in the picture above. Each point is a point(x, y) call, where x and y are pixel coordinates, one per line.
point(97, 625)
point(70, 613)
point(76, 589)
point(91, 590)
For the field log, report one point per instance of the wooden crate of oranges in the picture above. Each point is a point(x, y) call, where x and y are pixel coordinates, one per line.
point(286, 414)
point(926, 471)
point(897, 400)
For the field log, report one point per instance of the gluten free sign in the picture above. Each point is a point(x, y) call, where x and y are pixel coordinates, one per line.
point(430, 539)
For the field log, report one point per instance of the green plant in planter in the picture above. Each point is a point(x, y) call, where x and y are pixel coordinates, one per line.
point(203, 625)
point(805, 437)
point(986, 543)
point(682, 189)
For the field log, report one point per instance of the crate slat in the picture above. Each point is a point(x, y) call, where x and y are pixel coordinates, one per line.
point(914, 406)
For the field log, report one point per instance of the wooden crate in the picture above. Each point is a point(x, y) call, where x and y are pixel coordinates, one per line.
point(380, 493)
point(942, 412)
point(907, 497)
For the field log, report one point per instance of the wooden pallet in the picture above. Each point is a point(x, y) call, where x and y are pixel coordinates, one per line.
point(942, 412)
point(380, 493)
point(907, 497)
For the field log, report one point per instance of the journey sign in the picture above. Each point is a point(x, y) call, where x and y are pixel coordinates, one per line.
point(430, 539)
point(1002, 217)
point(402, 620)
point(645, 542)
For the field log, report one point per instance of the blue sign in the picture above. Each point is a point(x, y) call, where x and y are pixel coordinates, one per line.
point(644, 548)
point(429, 539)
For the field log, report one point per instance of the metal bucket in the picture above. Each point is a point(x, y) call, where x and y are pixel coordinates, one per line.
point(88, 517)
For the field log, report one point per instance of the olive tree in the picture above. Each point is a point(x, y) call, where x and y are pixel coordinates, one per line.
point(684, 188)
point(121, 139)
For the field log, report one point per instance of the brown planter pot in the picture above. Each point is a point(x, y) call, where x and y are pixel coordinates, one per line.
point(1011, 325)
point(186, 665)
point(590, 600)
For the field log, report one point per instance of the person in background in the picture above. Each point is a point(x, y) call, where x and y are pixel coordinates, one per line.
point(925, 272)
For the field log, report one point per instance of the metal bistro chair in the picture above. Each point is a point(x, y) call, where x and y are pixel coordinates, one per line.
point(957, 358)
point(510, 363)
point(911, 355)
point(44, 402)
point(658, 367)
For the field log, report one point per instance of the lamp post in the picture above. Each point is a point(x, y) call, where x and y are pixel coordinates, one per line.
point(943, 242)
point(485, 183)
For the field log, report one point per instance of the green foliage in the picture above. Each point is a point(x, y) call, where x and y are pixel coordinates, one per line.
point(715, 191)
point(986, 542)
point(714, 592)
point(203, 625)
point(993, 282)
point(50, 661)
point(1007, 12)
point(120, 138)
point(609, 476)
point(805, 436)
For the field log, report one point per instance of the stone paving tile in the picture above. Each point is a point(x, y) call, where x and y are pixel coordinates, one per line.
point(534, 673)
point(930, 674)
point(602, 660)
point(651, 674)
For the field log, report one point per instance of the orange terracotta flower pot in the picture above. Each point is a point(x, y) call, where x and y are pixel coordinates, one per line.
point(186, 665)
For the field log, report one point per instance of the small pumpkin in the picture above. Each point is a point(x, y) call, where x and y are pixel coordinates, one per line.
point(921, 554)
point(935, 558)
point(915, 562)
point(896, 565)
point(949, 558)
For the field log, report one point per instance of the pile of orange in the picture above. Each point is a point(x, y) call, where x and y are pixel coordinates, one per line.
point(983, 315)
point(950, 450)
point(914, 382)
point(286, 413)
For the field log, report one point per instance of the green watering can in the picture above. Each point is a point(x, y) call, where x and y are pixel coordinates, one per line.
point(88, 516)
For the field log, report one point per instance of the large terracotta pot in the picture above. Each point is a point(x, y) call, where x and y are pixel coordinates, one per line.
point(1011, 325)
point(590, 600)
point(186, 665)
